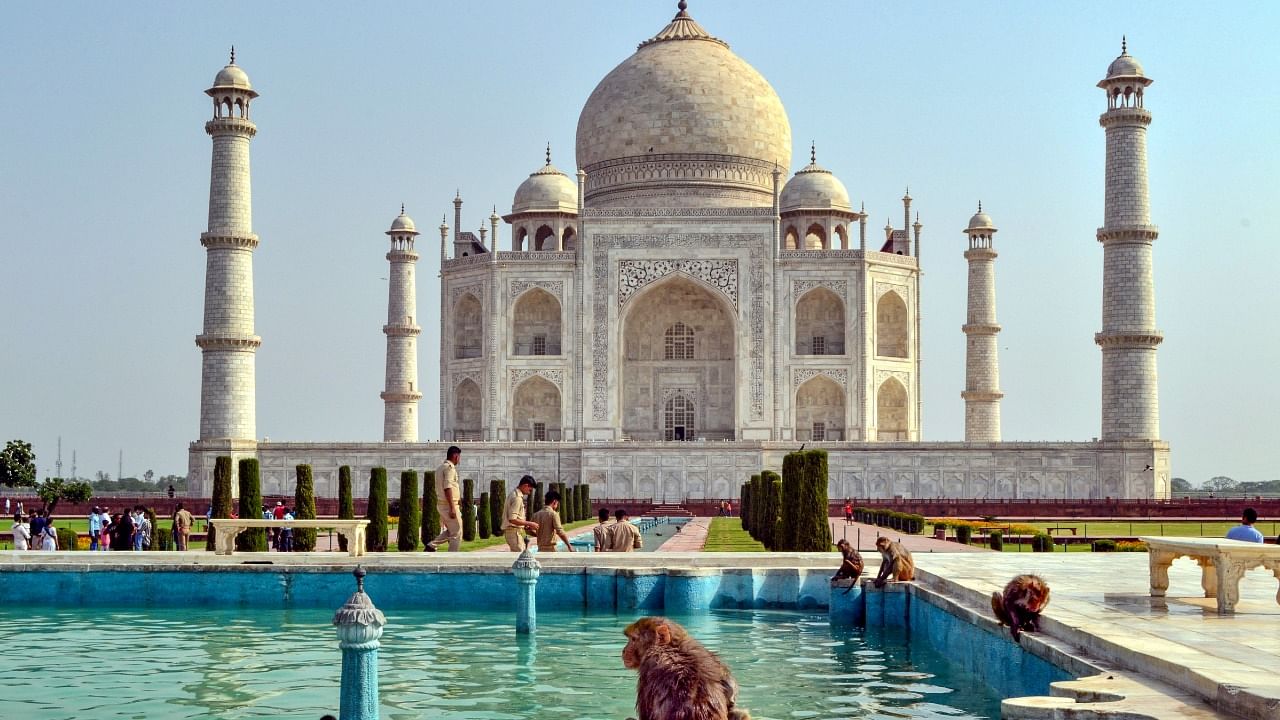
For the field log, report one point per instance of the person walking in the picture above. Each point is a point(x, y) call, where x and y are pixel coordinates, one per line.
point(95, 527)
point(286, 533)
point(549, 526)
point(848, 512)
point(1245, 531)
point(182, 522)
point(141, 529)
point(601, 531)
point(448, 502)
point(514, 514)
point(21, 532)
point(49, 537)
point(625, 536)
point(37, 525)
point(121, 531)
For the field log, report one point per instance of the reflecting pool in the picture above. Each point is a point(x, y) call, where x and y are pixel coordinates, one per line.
point(203, 663)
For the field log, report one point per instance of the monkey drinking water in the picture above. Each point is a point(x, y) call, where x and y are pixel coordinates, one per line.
point(895, 562)
point(679, 679)
point(1021, 603)
point(851, 567)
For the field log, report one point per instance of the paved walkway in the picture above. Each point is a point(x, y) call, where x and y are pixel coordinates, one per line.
point(691, 538)
point(864, 536)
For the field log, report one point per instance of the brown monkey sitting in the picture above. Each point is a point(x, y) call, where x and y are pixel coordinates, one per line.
point(895, 562)
point(1021, 603)
point(678, 679)
point(851, 568)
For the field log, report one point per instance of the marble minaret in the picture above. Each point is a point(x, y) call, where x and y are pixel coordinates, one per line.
point(401, 396)
point(228, 343)
point(981, 361)
point(1130, 406)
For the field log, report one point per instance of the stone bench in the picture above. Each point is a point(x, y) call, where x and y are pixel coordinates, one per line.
point(228, 528)
point(1222, 564)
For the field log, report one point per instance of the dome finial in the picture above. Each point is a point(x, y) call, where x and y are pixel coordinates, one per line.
point(1124, 45)
point(813, 152)
point(548, 153)
point(683, 6)
point(979, 206)
point(233, 54)
point(401, 208)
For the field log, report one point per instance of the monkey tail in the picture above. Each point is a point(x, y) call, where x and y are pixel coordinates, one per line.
point(997, 607)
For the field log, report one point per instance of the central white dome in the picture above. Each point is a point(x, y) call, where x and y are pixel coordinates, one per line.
point(684, 93)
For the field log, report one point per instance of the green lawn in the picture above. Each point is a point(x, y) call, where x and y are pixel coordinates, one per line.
point(727, 535)
point(1135, 528)
point(494, 540)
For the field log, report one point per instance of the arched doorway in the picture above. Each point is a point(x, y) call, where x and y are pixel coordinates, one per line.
point(891, 411)
point(820, 323)
point(535, 324)
point(466, 411)
point(892, 328)
point(535, 410)
point(468, 331)
point(678, 340)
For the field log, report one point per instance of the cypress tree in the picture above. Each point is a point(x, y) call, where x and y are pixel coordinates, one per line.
point(304, 508)
point(346, 501)
point(793, 490)
point(757, 501)
point(811, 528)
point(497, 493)
point(484, 517)
point(410, 512)
point(537, 499)
point(252, 539)
point(569, 504)
point(222, 504)
point(584, 509)
point(773, 537)
point(430, 513)
point(376, 537)
point(468, 509)
point(744, 505)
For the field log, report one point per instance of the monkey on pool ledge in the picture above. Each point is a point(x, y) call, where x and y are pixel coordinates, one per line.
point(896, 562)
point(678, 678)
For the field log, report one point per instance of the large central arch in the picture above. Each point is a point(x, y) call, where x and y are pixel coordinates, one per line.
point(678, 338)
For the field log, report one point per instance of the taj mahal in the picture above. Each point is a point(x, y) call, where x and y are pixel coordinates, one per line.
point(681, 310)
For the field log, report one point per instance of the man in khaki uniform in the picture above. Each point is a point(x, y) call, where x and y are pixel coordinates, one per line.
point(448, 502)
point(182, 522)
point(514, 514)
point(624, 537)
point(602, 531)
point(548, 520)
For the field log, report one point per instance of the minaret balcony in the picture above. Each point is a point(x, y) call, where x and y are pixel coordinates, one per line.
point(234, 242)
point(230, 126)
point(1129, 339)
point(402, 256)
point(1125, 116)
point(1129, 233)
point(400, 396)
point(401, 330)
point(228, 342)
point(981, 328)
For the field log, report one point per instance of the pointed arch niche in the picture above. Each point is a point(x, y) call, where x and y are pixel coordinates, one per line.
point(468, 328)
point(819, 323)
point(535, 410)
point(466, 411)
point(892, 326)
point(535, 324)
point(891, 411)
point(820, 410)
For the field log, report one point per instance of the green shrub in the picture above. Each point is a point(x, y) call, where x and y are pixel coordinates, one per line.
point(792, 489)
point(1042, 542)
point(964, 534)
point(805, 525)
point(153, 536)
point(771, 494)
point(744, 506)
point(534, 506)
point(498, 493)
point(483, 521)
point(304, 508)
point(584, 507)
point(222, 503)
point(430, 513)
point(410, 512)
point(66, 538)
point(996, 540)
point(376, 538)
point(251, 539)
point(756, 502)
point(346, 501)
point(1104, 545)
point(163, 541)
point(468, 509)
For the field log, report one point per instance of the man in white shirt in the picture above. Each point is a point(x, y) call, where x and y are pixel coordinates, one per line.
point(21, 532)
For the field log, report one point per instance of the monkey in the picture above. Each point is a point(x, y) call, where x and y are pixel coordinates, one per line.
point(678, 678)
point(851, 568)
point(895, 562)
point(1021, 603)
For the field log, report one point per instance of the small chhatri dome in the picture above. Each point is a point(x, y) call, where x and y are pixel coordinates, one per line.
point(403, 223)
point(1126, 65)
point(813, 187)
point(981, 220)
point(546, 190)
point(232, 76)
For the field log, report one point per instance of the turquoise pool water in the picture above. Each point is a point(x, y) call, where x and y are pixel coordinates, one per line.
point(175, 663)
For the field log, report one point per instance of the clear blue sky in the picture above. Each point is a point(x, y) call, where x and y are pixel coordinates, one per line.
point(105, 179)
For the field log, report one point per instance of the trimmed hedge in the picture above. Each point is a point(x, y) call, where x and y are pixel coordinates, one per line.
point(251, 539)
point(410, 512)
point(1042, 542)
point(744, 505)
point(534, 506)
point(772, 528)
point(1132, 546)
point(757, 502)
point(163, 541)
point(376, 539)
point(484, 520)
point(430, 513)
point(346, 501)
point(222, 503)
point(964, 534)
point(805, 526)
point(995, 540)
point(155, 529)
point(468, 509)
point(497, 493)
point(66, 538)
point(304, 508)
point(584, 505)
point(1104, 545)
